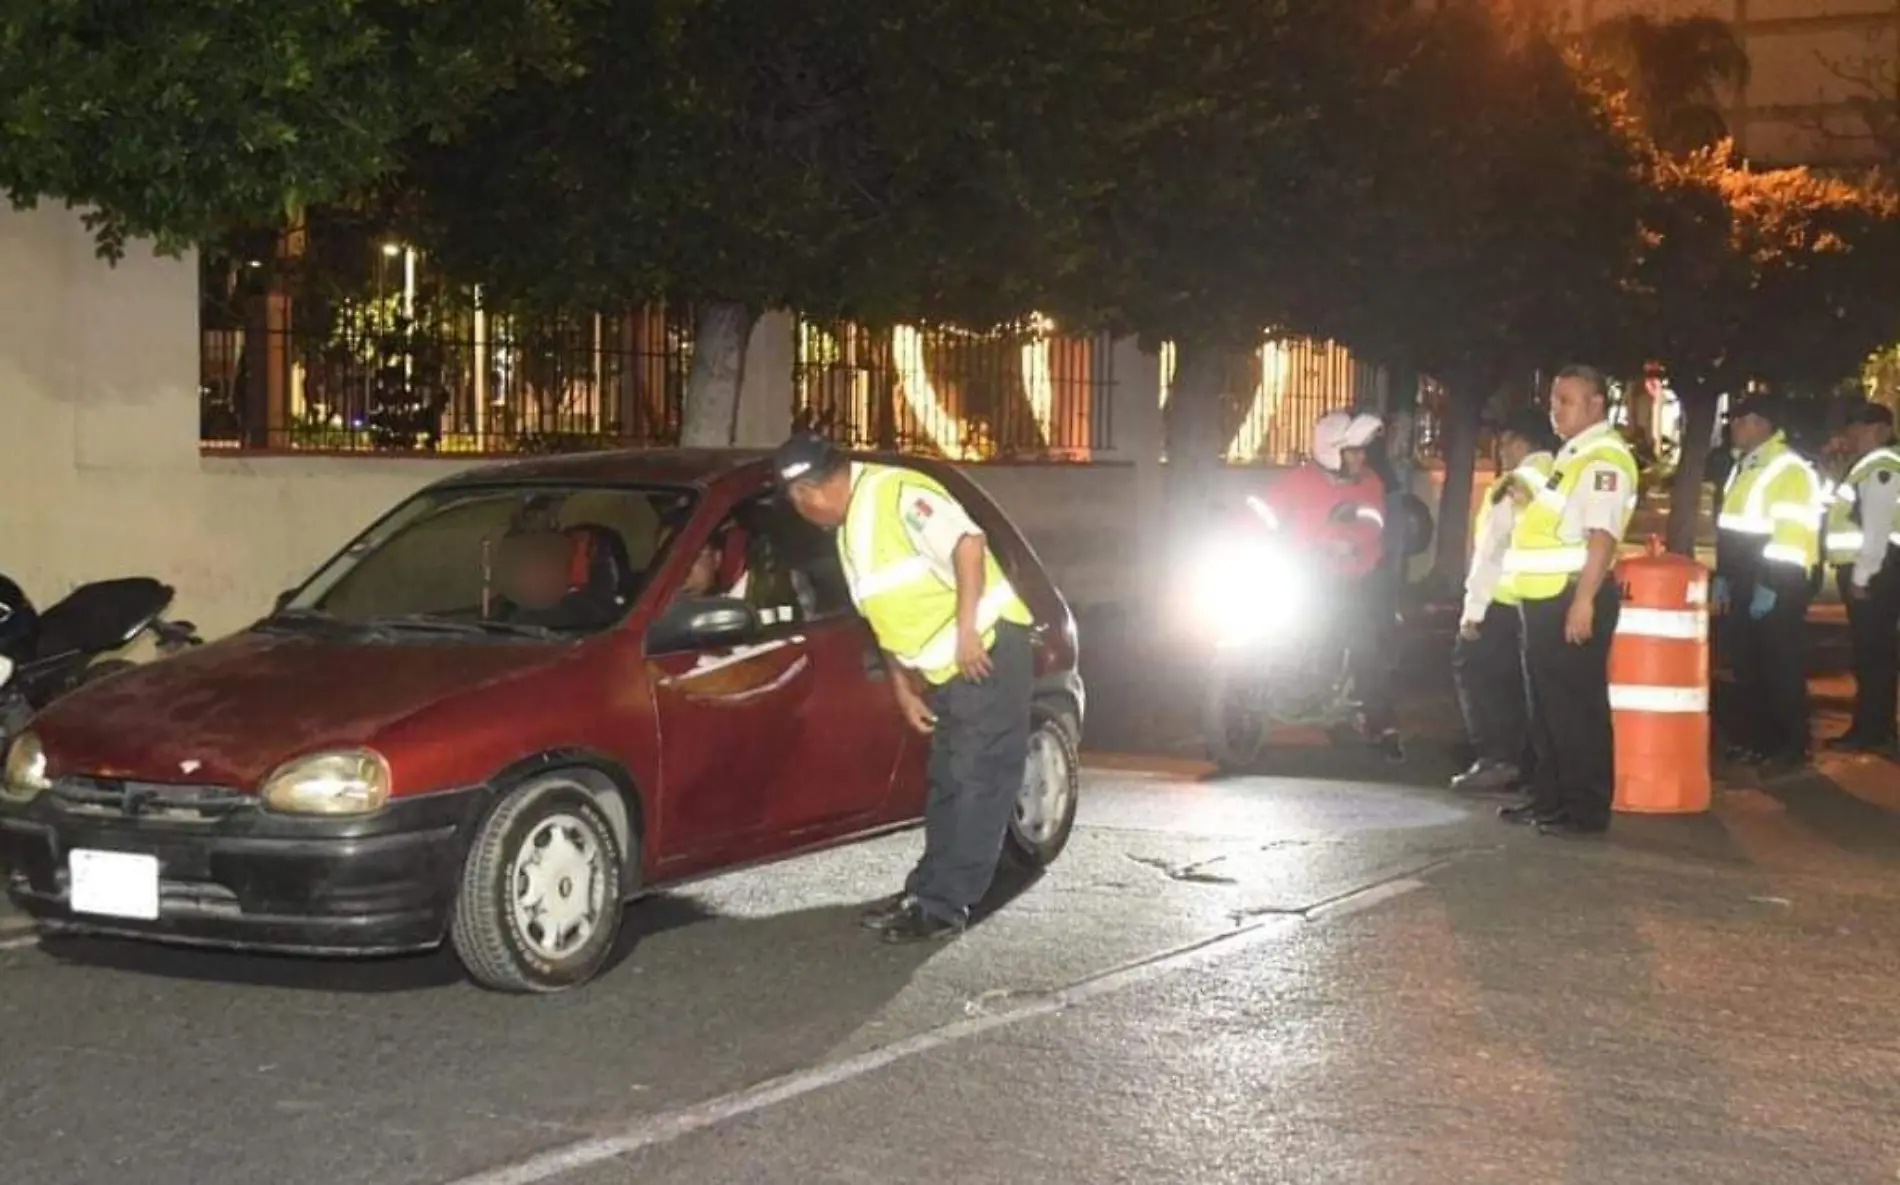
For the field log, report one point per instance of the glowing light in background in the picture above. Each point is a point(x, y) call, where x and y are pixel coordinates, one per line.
point(1039, 385)
point(920, 394)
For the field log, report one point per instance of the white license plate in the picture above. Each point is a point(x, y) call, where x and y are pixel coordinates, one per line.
point(114, 884)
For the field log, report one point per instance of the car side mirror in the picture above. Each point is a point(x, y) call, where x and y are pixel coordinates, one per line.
point(695, 623)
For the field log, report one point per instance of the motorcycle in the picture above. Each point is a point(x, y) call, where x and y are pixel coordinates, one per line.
point(1277, 647)
point(45, 655)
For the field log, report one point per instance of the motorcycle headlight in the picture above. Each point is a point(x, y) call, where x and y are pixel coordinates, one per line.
point(26, 774)
point(1243, 588)
point(346, 782)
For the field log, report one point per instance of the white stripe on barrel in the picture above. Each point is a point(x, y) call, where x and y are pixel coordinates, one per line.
point(1689, 624)
point(1635, 697)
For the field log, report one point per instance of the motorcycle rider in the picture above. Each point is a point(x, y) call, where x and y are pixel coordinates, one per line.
point(1334, 506)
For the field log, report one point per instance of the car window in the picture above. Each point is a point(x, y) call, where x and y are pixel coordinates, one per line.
point(790, 574)
point(567, 559)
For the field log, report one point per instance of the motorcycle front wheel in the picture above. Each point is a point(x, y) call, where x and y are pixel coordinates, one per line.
point(1236, 717)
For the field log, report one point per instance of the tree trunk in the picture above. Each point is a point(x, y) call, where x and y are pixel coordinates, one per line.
point(721, 331)
point(1692, 459)
point(1464, 407)
point(1192, 425)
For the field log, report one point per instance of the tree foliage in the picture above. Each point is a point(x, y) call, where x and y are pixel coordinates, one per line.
point(1675, 72)
point(180, 120)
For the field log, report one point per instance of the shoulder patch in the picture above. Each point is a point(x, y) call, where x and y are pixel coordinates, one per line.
point(1605, 481)
point(917, 512)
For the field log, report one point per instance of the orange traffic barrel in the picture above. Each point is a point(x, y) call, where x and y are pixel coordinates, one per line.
point(1659, 684)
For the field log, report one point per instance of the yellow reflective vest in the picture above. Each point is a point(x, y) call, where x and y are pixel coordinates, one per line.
point(1541, 562)
point(1844, 520)
point(1772, 510)
point(909, 598)
point(1530, 475)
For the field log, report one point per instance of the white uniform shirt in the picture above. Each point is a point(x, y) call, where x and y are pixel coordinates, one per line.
point(935, 523)
point(1878, 492)
point(1603, 498)
point(1487, 556)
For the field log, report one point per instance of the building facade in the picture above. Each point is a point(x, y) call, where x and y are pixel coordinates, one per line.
point(1824, 85)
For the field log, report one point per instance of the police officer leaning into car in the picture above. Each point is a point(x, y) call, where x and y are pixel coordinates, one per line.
point(1562, 548)
point(1487, 662)
point(1863, 544)
point(955, 637)
point(1767, 548)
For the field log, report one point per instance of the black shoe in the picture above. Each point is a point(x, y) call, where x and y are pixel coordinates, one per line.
point(1487, 777)
point(914, 925)
point(1388, 745)
point(1781, 765)
point(1526, 813)
point(884, 912)
point(1570, 828)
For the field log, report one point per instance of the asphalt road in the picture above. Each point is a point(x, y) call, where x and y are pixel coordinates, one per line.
point(1258, 980)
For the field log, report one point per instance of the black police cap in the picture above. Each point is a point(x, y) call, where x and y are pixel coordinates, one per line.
point(803, 454)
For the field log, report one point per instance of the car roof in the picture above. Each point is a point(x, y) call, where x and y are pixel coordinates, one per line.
point(700, 468)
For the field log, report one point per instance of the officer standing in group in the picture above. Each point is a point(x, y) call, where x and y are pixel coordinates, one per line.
point(1863, 544)
point(1487, 662)
point(955, 638)
point(1768, 545)
point(1563, 547)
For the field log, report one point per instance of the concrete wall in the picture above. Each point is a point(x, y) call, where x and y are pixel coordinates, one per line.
point(104, 477)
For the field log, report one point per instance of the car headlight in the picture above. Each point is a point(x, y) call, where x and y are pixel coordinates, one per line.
point(347, 782)
point(26, 775)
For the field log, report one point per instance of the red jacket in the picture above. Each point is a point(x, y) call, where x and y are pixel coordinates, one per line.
point(1341, 522)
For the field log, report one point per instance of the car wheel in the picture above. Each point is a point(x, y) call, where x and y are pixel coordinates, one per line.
point(542, 889)
point(1044, 816)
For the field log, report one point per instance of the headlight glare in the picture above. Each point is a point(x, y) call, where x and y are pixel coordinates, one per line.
point(346, 782)
point(26, 775)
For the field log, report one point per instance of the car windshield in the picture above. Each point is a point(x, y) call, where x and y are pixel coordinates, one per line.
point(527, 560)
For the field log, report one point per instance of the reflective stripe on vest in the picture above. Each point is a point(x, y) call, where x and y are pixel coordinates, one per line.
point(1531, 474)
point(1790, 524)
point(910, 602)
point(1540, 561)
point(1844, 535)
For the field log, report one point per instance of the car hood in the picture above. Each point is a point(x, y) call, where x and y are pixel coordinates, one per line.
point(229, 713)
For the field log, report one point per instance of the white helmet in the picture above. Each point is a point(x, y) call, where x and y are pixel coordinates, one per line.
point(1342, 430)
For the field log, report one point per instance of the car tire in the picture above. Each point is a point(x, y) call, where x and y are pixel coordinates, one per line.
point(1043, 815)
point(542, 891)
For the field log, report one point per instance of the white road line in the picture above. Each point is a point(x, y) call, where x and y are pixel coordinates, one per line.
point(19, 943)
point(668, 1126)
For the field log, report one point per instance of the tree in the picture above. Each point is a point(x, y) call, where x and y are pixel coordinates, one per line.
point(841, 158)
point(1784, 278)
point(1480, 220)
point(182, 121)
point(1673, 71)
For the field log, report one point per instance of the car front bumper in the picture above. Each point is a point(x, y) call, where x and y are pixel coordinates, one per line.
point(252, 880)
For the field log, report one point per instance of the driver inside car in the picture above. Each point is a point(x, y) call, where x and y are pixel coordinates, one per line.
point(1333, 506)
point(560, 579)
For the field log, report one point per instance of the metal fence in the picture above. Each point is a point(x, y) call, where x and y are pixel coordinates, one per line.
point(1267, 413)
point(464, 382)
point(1022, 392)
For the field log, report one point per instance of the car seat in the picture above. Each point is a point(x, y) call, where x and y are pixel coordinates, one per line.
point(597, 563)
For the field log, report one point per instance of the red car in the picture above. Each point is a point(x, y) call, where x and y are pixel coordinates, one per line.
point(525, 696)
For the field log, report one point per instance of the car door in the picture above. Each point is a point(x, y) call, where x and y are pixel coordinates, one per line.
point(728, 722)
point(849, 735)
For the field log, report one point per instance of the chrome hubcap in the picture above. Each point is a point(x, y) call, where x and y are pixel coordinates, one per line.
point(1043, 802)
point(559, 887)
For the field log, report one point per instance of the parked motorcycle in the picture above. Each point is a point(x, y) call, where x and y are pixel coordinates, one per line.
point(44, 655)
point(1277, 646)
